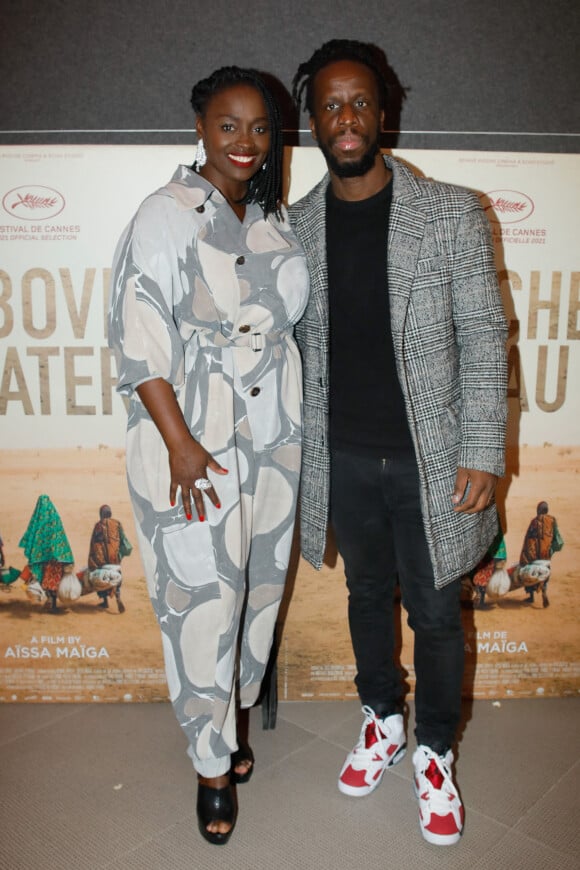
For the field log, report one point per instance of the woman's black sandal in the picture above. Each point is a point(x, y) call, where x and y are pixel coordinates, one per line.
point(242, 755)
point(215, 805)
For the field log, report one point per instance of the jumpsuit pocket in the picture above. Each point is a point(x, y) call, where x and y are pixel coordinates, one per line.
point(190, 554)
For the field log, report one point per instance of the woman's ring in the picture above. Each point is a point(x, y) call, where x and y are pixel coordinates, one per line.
point(202, 483)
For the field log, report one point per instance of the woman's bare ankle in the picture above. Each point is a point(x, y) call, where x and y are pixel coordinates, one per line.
point(214, 781)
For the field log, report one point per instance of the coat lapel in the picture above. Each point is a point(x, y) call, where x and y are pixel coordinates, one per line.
point(314, 241)
point(406, 230)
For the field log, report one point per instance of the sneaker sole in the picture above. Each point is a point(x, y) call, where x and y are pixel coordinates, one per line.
point(352, 791)
point(440, 839)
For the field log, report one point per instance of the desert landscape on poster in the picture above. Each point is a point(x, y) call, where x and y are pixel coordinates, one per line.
point(85, 653)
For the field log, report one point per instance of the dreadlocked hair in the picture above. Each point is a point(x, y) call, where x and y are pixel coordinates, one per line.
point(265, 187)
point(331, 52)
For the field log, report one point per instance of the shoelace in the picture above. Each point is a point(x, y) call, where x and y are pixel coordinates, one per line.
point(372, 732)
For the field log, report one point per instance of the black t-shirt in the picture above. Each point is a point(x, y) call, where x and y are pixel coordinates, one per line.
point(367, 410)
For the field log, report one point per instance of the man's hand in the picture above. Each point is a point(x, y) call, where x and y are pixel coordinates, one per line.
point(480, 493)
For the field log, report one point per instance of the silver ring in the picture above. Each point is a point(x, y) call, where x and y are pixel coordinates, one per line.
point(202, 483)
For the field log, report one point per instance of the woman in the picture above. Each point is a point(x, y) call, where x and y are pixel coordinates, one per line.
point(47, 550)
point(207, 284)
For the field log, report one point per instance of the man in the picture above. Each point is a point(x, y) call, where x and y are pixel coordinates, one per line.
point(109, 545)
point(403, 347)
point(541, 541)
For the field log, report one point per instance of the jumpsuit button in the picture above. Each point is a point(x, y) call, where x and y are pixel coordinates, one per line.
point(255, 391)
point(244, 328)
point(240, 261)
point(200, 209)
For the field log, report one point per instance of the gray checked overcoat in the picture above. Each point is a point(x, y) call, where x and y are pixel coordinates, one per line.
point(449, 335)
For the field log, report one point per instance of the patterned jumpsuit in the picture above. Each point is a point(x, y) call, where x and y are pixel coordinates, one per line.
point(208, 303)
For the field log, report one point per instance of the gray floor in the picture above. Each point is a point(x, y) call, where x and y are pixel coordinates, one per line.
point(109, 786)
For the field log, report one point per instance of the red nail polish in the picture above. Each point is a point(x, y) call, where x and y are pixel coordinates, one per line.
point(172, 503)
point(201, 518)
point(188, 516)
point(218, 504)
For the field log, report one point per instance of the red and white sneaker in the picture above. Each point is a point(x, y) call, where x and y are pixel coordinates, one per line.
point(440, 809)
point(380, 745)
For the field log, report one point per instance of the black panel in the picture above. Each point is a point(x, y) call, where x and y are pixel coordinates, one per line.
point(121, 72)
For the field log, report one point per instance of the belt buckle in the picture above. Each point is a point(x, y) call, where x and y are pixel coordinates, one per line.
point(256, 342)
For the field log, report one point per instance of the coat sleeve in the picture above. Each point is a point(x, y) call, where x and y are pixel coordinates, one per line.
point(481, 333)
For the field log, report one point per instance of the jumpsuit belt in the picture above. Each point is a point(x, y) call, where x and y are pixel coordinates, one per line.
point(257, 341)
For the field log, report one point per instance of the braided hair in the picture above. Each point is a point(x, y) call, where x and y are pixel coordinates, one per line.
point(265, 187)
point(336, 50)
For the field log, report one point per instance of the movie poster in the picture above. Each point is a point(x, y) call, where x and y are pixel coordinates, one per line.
point(63, 427)
point(75, 619)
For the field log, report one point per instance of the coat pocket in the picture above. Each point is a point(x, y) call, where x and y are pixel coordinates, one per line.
point(450, 426)
point(433, 265)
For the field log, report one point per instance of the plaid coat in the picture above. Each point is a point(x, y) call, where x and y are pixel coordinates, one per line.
point(449, 335)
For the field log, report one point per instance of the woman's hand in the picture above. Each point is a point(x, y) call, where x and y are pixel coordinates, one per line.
point(188, 460)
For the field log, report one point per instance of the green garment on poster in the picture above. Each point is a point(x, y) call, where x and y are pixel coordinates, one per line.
point(498, 548)
point(9, 575)
point(126, 547)
point(557, 540)
point(45, 539)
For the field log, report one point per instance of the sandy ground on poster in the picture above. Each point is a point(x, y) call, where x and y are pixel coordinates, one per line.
point(84, 653)
point(80, 653)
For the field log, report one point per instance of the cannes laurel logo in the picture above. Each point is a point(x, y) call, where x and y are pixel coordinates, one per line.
point(508, 206)
point(32, 202)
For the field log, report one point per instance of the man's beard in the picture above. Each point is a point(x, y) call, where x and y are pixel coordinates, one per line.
point(351, 168)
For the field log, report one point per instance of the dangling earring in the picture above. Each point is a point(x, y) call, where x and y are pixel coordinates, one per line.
point(200, 155)
point(264, 165)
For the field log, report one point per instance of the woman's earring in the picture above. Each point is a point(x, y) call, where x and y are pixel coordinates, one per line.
point(264, 165)
point(200, 155)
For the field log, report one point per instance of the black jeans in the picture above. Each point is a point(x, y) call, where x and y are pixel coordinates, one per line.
point(376, 515)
